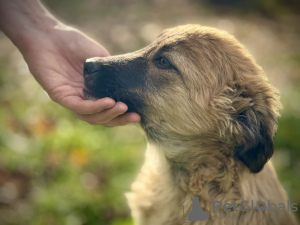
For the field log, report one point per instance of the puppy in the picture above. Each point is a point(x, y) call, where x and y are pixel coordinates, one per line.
point(209, 115)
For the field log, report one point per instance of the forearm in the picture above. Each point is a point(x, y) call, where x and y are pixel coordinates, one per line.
point(23, 20)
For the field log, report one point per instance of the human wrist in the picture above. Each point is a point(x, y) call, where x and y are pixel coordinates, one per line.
point(24, 21)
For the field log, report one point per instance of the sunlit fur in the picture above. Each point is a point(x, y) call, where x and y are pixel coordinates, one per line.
point(209, 121)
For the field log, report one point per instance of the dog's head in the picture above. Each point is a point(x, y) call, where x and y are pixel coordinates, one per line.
point(193, 80)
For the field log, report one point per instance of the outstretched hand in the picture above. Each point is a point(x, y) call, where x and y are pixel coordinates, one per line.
point(56, 61)
point(55, 55)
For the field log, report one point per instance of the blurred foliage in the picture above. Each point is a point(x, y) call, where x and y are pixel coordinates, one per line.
point(55, 169)
point(273, 9)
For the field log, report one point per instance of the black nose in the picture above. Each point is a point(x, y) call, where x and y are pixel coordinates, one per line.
point(90, 67)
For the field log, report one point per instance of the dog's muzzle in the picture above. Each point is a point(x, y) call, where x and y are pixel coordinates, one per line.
point(118, 77)
point(97, 83)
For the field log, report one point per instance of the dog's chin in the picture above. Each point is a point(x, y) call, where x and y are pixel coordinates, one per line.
point(88, 96)
point(133, 105)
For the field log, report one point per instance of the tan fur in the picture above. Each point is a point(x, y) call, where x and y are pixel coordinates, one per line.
point(194, 156)
point(155, 196)
point(209, 117)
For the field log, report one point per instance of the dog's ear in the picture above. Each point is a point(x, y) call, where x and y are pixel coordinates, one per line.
point(257, 144)
point(255, 119)
point(249, 113)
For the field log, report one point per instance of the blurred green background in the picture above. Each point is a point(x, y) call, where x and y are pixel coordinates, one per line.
point(56, 169)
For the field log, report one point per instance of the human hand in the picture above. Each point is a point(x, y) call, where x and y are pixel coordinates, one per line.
point(56, 60)
point(55, 55)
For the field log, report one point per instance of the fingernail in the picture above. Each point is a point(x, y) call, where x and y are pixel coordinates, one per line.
point(122, 107)
point(135, 118)
point(110, 102)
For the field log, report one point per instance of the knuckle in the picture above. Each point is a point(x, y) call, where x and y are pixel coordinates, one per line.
point(87, 120)
point(121, 108)
point(108, 124)
point(123, 121)
point(92, 122)
point(102, 120)
point(105, 101)
point(105, 121)
point(54, 98)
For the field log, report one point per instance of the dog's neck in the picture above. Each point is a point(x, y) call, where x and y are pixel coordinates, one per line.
point(202, 167)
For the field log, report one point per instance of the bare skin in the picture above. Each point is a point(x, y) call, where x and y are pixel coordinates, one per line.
point(55, 54)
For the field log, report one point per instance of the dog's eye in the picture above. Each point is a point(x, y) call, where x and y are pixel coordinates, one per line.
point(163, 63)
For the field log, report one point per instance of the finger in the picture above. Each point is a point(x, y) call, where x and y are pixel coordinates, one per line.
point(95, 50)
point(124, 119)
point(81, 106)
point(106, 115)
